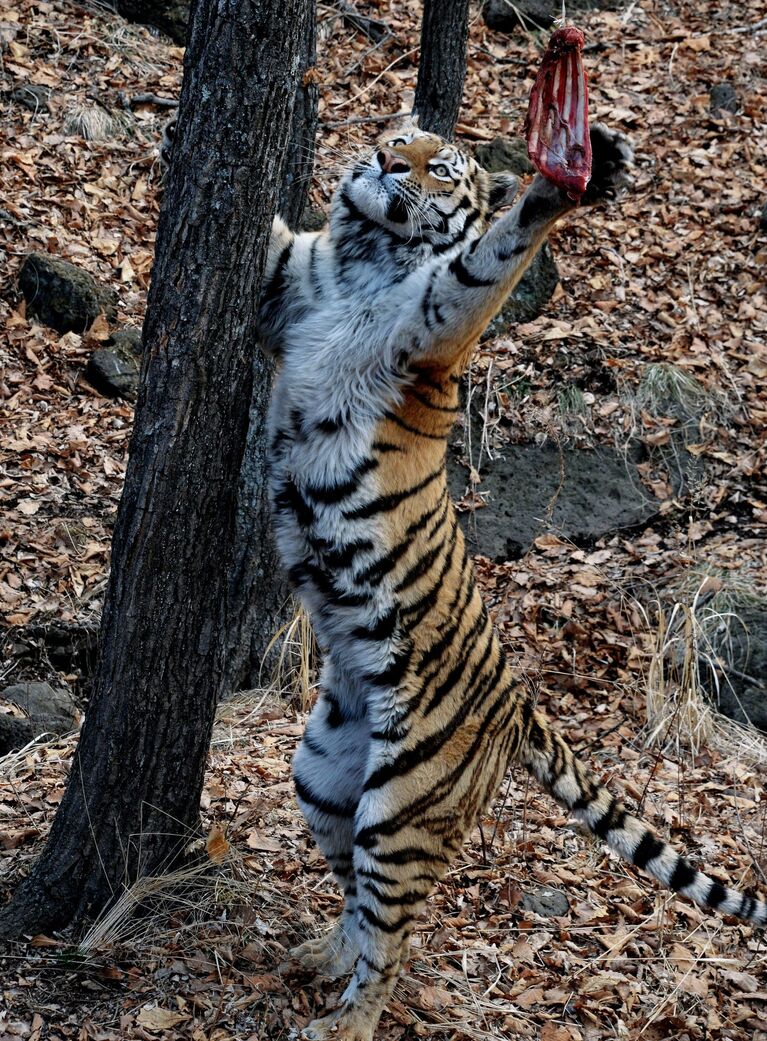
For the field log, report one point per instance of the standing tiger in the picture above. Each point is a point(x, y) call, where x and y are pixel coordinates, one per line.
point(373, 321)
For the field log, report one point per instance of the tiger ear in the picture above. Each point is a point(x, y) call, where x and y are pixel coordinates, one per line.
point(503, 188)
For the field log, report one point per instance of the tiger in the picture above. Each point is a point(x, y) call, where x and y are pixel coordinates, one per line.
point(372, 323)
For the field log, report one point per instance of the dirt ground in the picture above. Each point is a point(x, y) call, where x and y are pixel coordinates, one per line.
point(669, 282)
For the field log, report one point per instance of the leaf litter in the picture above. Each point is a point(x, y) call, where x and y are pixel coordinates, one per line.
point(668, 281)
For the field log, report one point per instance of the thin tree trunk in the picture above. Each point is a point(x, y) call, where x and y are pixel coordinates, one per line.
point(442, 65)
point(259, 597)
point(134, 789)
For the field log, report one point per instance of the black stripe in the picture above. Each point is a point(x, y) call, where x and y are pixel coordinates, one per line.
point(336, 492)
point(428, 381)
point(648, 849)
point(379, 923)
point(419, 569)
point(315, 282)
point(683, 876)
point(716, 895)
point(394, 418)
point(334, 809)
point(376, 876)
point(386, 503)
point(431, 404)
point(458, 268)
point(313, 746)
point(329, 426)
point(408, 898)
point(747, 904)
point(382, 629)
point(394, 672)
point(289, 498)
point(613, 817)
point(376, 571)
point(276, 283)
point(386, 446)
point(407, 855)
point(343, 556)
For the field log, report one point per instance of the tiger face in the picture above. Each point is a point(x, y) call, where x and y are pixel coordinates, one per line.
point(418, 185)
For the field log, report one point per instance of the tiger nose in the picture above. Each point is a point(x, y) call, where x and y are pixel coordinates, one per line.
point(391, 163)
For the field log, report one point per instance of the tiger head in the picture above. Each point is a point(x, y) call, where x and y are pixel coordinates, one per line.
point(421, 187)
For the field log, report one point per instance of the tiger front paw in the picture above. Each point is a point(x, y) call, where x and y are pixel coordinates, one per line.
point(612, 158)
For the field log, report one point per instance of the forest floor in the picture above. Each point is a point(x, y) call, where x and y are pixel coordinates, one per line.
point(671, 276)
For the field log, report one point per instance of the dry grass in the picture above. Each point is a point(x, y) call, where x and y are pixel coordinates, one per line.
point(691, 633)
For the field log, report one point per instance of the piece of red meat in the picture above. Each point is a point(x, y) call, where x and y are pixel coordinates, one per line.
point(557, 123)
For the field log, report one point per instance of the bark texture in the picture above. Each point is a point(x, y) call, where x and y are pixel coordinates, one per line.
point(133, 796)
point(442, 66)
point(259, 598)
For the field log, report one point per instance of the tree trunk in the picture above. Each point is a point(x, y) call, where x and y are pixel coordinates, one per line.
point(442, 65)
point(133, 795)
point(259, 597)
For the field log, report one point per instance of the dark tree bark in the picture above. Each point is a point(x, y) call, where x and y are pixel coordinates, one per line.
point(442, 65)
point(133, 794)
point(259, 597)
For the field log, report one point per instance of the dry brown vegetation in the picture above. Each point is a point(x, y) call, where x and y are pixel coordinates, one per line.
point(669, 278)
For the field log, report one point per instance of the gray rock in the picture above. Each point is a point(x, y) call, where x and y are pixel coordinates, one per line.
point(742, 681)
point(32, 96)
point(127, 338)
point(600, 493)
point(14, 733)
point(114, 369)
point(505, 15)
point(41, 701)
point(723, 98)
point(531, 295)
point(504, 153)
point(49, 711)
point(61, 295)
point(551, 903)
point(314, 219)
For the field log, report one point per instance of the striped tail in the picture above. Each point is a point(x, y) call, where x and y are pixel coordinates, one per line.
point(551, 762)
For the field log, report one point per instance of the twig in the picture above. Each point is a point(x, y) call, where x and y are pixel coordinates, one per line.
point(355, 120)
point(153, 99)
point(374, 29)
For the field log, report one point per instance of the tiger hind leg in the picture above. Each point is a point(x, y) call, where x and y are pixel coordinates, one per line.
point(409, 828)
point(328, 770)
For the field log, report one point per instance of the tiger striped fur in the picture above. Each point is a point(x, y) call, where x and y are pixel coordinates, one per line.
point(373, 321)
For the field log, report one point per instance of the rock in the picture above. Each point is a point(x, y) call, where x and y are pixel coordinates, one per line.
point(742, 652)
point(32, 96)
point(41, 701)
point(114, 369)
point(61, 295)
point(48, 711)
point(313, 219)
point(551, 903)
point(574, 492)
point(531, 295)
point(14, 733)
point(504, 153)
point(504, 16)
point(723, 98)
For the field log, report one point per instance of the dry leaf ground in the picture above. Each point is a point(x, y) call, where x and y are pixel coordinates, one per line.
point(673, 275)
